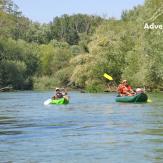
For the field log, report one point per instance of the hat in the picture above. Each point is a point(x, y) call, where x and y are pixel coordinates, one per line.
point(124, 81)
point(57, 89)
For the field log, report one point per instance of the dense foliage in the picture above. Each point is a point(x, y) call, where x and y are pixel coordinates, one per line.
point(77, 50)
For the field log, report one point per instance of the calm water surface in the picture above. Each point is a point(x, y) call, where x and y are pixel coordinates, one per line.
point(93, 128)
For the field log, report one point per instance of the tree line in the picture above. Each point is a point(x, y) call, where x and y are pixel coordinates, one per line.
point(77, 50)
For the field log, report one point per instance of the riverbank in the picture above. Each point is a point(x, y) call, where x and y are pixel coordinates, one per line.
point(107, 90)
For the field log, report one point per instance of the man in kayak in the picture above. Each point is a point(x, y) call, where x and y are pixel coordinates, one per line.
point(124, 89)
point(60, 93)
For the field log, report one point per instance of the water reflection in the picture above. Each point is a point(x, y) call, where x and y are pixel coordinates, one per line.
point(6, 120)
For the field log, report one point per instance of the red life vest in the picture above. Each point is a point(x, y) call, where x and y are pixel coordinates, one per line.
point(122, 89)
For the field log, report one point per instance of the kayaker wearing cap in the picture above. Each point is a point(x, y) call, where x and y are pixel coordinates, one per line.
point(58, 94)
point(124, 89)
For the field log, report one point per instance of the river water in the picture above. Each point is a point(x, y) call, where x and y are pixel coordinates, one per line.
point(93, 128)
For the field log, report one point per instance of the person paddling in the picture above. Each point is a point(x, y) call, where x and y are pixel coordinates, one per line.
point(124, 89)
point(58, 94)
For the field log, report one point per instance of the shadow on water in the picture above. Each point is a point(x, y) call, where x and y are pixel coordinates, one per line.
point(6, 120)
point(5, 124)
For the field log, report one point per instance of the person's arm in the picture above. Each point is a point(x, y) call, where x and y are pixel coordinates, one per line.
point(128, 91)
point(64, 91)
point(131, 90)
point(119, 90)
point(53, 98)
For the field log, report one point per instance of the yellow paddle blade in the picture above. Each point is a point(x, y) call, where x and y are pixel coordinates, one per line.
point(149, 100)
point(108, 76)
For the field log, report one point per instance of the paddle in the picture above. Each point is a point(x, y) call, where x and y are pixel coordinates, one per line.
point(108, 76)
point(47, 102)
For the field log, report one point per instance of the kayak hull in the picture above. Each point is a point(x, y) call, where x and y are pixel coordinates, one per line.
point(142, 97)
point(60, 101)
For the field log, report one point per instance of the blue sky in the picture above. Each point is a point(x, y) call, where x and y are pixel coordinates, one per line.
point(44, 11)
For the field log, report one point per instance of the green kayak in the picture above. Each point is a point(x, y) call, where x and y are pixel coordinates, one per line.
point(60, 101)
point(57, 101)
point(141, 97)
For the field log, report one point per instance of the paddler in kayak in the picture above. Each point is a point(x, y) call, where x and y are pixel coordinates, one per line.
point(60, 93)
point(124, 89)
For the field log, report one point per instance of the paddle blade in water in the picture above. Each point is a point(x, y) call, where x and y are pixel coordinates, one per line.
point(47, 102)
point(108, 76)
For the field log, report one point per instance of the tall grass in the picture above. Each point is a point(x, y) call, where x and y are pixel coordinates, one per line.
point(45, 83)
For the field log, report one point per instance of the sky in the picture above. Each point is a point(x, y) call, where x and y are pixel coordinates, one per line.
point(44, 11)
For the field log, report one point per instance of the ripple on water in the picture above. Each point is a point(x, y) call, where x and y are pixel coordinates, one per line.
point(92, 128)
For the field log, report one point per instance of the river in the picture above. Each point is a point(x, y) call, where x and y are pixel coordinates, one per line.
point(93, 128)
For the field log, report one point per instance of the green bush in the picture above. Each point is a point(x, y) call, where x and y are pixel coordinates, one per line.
point(45, 83)
point(94, 86)
point(12, 73)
